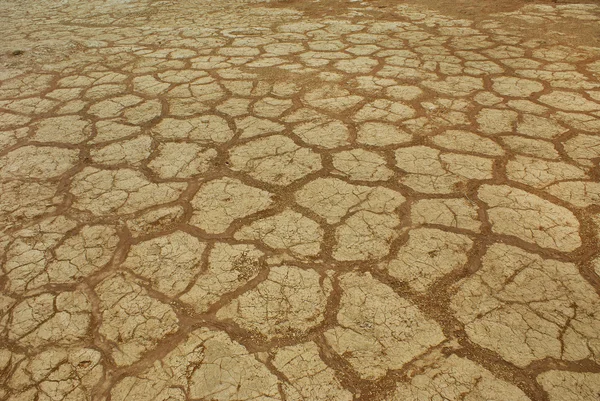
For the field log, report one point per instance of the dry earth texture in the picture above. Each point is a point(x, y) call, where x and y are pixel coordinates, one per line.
point(226, 200)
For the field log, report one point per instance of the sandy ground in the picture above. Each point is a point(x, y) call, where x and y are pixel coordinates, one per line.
point(227, 200)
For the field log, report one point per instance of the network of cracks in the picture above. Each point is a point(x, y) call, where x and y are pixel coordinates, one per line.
point(240, 201)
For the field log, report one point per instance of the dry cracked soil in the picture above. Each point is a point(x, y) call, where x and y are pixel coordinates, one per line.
point(299, 200)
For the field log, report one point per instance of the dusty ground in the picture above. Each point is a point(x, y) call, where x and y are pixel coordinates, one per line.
point(225, 200)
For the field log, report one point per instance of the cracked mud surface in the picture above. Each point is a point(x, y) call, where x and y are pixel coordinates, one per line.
point(290, 200)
